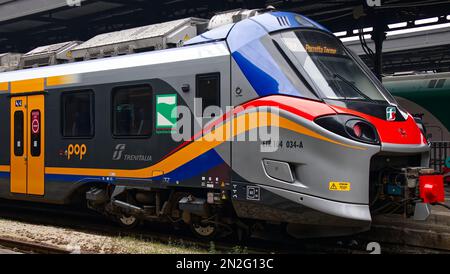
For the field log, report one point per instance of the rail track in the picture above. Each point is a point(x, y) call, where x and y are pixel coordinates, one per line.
point(86, 221)
point(29, 247)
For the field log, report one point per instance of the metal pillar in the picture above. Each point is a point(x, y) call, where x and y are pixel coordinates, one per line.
point(378, 36)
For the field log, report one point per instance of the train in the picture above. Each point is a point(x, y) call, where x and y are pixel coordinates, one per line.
point(264, 122)
point(426, 95)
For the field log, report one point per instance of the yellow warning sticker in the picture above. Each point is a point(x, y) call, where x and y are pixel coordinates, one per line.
point(339, 186)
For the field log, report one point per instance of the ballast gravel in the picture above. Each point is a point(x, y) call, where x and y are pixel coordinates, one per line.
point(84, 242)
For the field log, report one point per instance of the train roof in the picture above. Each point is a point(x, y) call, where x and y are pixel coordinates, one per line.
point(424, 76)
point(271, 22)
point(216, 42)
point(197, 52)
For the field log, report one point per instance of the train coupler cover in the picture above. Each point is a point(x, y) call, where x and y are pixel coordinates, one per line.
point(431, 188)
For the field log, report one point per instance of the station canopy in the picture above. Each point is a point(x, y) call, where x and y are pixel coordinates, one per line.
point(28, 24)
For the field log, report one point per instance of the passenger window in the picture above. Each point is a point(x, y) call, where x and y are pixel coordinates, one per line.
point(208, 89)
point(18, 133)
point(132, 111)
point(78, 114)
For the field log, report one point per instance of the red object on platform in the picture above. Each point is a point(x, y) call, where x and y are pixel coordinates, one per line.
point(432, 188)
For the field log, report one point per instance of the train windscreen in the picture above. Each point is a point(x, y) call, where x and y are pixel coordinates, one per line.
point(328, 65)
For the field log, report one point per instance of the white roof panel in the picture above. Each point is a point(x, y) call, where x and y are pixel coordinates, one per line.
point(134, 34)
point(121, 62)
point(49, 49)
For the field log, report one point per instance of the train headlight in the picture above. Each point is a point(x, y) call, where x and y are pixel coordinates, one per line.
point(361, 130)
point(357, 131)
point(351, 127)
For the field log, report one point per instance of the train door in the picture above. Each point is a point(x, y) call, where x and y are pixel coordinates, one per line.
point(27, 145)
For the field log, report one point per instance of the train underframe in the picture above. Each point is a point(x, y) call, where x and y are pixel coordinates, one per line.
point(129, 206)
point(394, 183)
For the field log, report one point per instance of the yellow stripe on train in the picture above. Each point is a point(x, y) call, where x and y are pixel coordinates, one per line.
point(199, 147)
point(62, 80)
point(24, 86)
point(39, 84)
point(4, 86)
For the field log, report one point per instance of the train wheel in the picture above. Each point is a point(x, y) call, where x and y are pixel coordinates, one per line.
point(128, 221)
point(204, 230)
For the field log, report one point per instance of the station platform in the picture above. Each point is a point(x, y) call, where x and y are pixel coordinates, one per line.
point(434, 233)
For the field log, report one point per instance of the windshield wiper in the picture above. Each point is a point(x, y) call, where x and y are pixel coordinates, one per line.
point(354, 87)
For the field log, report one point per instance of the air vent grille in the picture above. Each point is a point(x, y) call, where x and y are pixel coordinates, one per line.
point(283, 21)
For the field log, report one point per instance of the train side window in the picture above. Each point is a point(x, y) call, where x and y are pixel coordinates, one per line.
point(78, 114)
point(18, 133)
point(208, 89)
point(132, 111)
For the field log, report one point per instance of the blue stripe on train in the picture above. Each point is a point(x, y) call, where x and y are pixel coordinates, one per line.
point(262, 71)
point(195, 167)
point(4, 175)
point(71, 178)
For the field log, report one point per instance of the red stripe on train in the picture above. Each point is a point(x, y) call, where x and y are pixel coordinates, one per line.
point(406, 133)
point(302, 107)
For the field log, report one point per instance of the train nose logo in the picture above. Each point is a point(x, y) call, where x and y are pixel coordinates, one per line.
point(391, 113)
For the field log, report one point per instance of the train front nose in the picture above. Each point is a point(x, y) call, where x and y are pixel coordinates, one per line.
point(367, 168)
point(401, 164)
point(315, 180)
point(329, 195)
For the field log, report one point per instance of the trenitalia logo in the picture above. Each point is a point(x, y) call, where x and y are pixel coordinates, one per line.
point(391, 113)
point(118, 152)
point(120, 155)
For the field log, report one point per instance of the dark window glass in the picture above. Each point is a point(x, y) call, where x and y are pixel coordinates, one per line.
point(325, 62)
point(208, 89)
point(18, 133)
point(432, 83)
point(132, 111)
point(78, 114)
point(440, 83)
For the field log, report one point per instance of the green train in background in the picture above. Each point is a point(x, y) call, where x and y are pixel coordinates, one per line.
point(427, 94)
